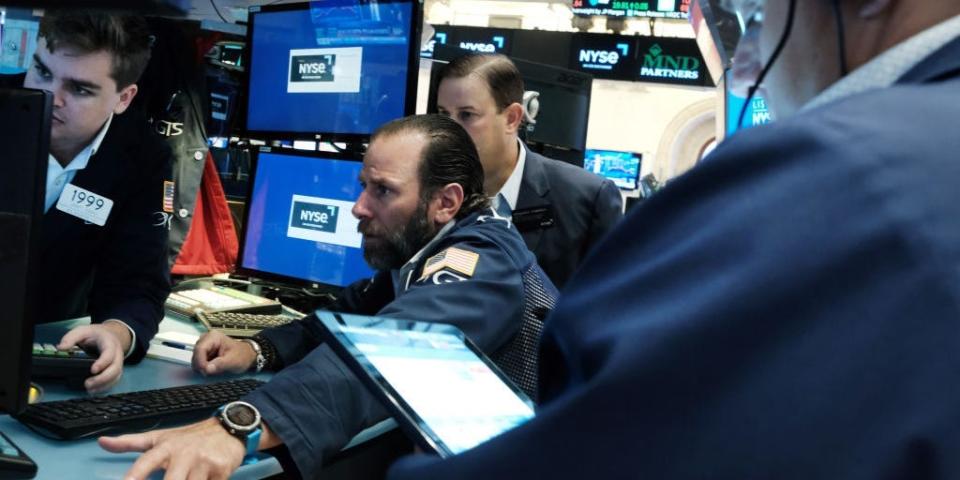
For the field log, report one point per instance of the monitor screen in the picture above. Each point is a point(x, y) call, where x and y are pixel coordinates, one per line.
point(23, 174)
point(298, 225)
point(622, 168)
point(632, 8)
point(337, 68)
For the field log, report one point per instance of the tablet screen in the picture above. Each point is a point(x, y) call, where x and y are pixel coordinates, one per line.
point(454, 395)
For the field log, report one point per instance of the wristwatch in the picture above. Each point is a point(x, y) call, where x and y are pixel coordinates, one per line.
point(242, 420)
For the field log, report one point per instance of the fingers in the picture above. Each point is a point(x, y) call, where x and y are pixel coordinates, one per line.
point(151, 461)
point(137, 442)
point(76, 336)
point(107, 378)
point(207, 348)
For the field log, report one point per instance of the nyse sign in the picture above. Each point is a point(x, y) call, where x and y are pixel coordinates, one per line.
point(323, 220)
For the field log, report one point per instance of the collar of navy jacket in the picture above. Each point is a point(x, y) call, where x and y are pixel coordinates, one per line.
point(942, 65)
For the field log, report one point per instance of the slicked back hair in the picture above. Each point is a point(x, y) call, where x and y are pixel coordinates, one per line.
point(497, 71)
point(125, 37)
point(448, 157)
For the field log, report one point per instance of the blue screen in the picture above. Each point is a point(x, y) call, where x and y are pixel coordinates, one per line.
point(299, 222)
point(620, 167)
point(332, 67)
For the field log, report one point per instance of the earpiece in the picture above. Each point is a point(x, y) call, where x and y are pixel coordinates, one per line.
point(531, 106)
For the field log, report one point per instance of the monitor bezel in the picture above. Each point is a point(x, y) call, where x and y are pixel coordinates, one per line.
point(410, 99)
point(636, 179)
point(254, 163)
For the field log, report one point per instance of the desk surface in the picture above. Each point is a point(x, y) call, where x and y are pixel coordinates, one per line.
point(84, 458)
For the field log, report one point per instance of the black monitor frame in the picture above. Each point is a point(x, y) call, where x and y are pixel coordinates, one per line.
point(254, 161)
point(410, 99)
point(23, 174)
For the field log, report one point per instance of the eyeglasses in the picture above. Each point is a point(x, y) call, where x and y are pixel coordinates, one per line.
point(749, 12)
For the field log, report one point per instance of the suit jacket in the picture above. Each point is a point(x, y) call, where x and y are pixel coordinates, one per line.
point(793, 314)
point(562, 212)
point(118, 270)
point(490, 306)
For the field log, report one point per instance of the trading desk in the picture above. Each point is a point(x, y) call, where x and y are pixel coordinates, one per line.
point(84, 458)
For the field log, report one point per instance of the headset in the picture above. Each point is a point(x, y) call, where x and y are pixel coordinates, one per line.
point(841, 47)
point(531, 106)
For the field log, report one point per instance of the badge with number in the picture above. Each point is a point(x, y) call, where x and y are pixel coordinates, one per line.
point(84, 204)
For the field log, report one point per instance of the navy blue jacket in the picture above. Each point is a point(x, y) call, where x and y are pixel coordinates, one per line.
point(316, 405)
point(788, 309)
point(119, 270)
point(562, 212)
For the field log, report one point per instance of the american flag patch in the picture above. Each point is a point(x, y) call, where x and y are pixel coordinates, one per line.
point(458, 260)
point(168, 192)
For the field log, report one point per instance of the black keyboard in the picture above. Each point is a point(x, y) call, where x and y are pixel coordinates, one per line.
point(242, 325)
point(134, 411)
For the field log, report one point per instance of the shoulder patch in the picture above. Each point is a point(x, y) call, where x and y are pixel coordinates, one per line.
point(168, 194)
point(455, 259)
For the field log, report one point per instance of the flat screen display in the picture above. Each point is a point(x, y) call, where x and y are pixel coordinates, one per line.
point(299, 224)
point(633, 8)
point(337, 67)
point(622, 168)
point(439, 384)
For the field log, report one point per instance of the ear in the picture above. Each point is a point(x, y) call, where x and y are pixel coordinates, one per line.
point(126, 96)
point(446, 203)
point(871, 8)
point(514, 113)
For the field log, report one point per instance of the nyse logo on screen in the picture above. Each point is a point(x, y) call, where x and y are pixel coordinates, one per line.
point(312, 68)
point(314, 216)
point(602, 59)
point(496, 44)
point(324, 220)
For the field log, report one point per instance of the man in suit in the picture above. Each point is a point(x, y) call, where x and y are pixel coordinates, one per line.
point(561, 210)
point(106, 259)
point(791, 308)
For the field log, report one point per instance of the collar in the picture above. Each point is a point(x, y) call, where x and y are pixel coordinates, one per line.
point(404, 273)
point(511, 188)
point(884, 70)
point(83, 158)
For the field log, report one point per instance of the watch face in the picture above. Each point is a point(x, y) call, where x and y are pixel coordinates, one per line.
point(241, 414)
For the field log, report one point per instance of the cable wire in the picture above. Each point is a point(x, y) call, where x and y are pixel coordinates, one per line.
point(773, 58)
point(218, 12)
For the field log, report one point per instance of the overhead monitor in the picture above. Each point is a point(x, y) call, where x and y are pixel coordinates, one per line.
point(335, 69)
point(622, 168)
point(632, 8)
point(22, 182)
point(298, 225)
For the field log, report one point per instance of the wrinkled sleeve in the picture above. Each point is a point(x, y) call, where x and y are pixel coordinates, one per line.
point(133, 278)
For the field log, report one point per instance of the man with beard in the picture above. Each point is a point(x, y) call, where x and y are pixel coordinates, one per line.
point(442, 254)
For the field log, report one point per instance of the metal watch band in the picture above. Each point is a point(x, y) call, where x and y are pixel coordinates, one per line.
point(261, 361)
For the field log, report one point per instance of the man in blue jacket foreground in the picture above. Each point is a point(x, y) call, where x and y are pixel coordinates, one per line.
point(442, 255)
point(788, 309)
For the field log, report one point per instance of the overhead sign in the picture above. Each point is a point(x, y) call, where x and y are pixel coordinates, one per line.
point(632, 8)
point(671, 60)
point(603, 56)
point(472, 39)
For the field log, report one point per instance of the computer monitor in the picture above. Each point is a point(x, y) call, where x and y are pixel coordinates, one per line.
point(23, 173)
point(335, 69)
point(622, 168)
point(298, 226)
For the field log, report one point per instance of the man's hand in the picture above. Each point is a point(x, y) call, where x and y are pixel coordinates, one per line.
point(216, 353)
point(111, 340)
point(202, 450)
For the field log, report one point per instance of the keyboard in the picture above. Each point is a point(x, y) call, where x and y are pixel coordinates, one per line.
point(70, 365)
point(134, 411)
point(242, 325)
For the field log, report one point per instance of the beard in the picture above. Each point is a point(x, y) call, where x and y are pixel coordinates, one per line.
point(389, 250)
